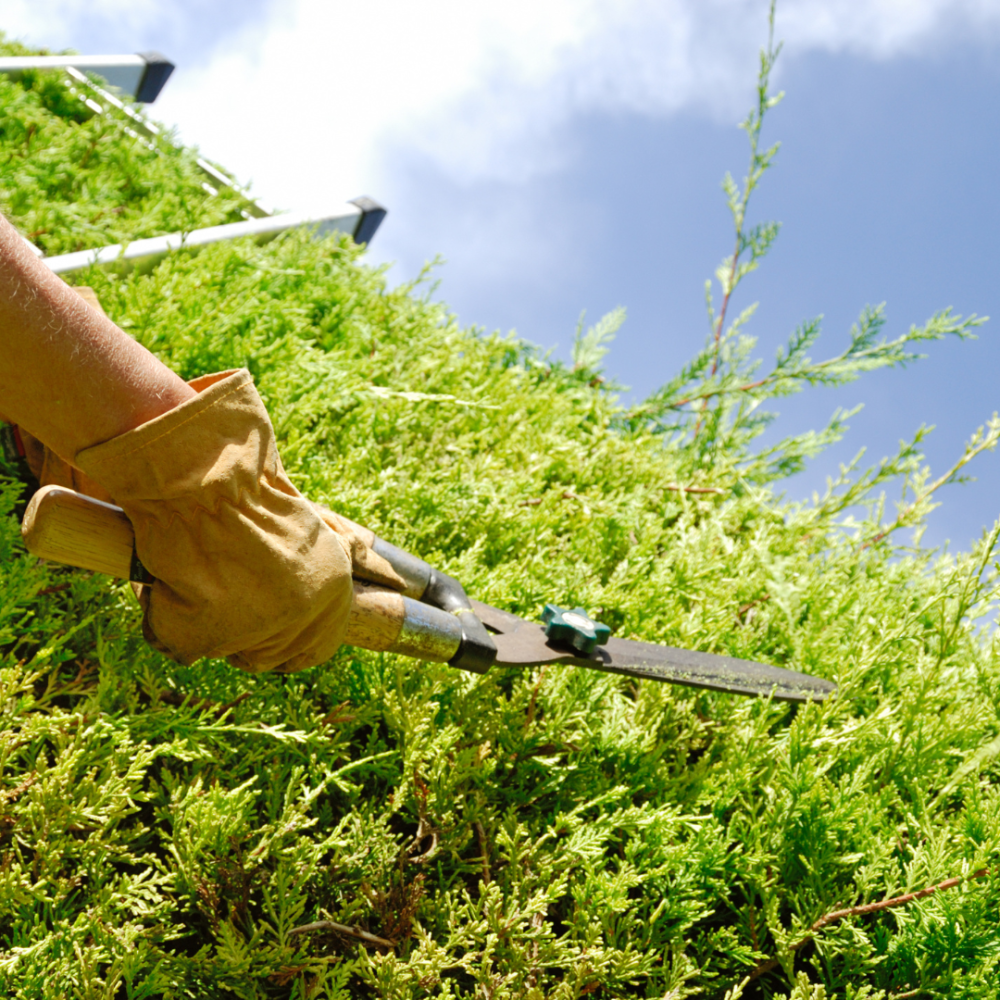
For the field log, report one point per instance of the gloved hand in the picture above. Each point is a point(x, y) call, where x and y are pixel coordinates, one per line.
point(51, 470)
point(213, 591)
point(245, 566)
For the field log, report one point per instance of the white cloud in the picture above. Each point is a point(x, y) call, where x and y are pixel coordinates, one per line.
point(886, 28)
point(186, 29)
point(317, 99)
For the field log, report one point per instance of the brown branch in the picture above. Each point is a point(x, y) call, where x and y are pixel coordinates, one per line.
point(484, 847)
point(357, 932)
point(749, 606)
point(725, 299)
point(338, 716)
point(722, 316)
point(753, 929)
point(860, 911)
point(425, 829)
point(716, 392)
point(533, 703)
point(674, 488)
point(13, 794)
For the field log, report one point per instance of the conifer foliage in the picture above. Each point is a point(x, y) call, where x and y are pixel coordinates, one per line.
point(385, 828)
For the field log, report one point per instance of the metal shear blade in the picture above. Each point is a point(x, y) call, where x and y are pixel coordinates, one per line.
point(521, 643)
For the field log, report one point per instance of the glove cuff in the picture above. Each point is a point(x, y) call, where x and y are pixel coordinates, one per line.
point(212, 448)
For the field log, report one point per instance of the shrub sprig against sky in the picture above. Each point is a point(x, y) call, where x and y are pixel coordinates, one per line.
point(540, 833)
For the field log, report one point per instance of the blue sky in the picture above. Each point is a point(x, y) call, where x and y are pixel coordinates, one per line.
point(567, 155)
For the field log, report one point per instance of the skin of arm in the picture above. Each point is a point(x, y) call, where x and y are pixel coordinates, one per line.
point(68, 375)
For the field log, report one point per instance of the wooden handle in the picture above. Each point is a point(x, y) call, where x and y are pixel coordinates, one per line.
point(67, 527)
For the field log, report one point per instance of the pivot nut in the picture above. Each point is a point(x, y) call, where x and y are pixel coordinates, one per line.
point(574, 629)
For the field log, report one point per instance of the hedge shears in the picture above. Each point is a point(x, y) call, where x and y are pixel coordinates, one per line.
point(433, 619)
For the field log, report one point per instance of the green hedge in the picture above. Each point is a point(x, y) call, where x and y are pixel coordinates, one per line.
point(541, 833)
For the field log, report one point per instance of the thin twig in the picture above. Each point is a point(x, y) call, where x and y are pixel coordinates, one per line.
point(201, 704)
point(988, 442)
point(859, 911)
point(532, 704)
point(727, 293)
point(753, 928)
point(909, 897)
point(338, 716)
point(730, 287)
point(330, 925)
point(749, 606)
point(424, 831)
point(13, 794)
point(425, 828)
point(484, 847)
point(674, 488)
point(709, 393)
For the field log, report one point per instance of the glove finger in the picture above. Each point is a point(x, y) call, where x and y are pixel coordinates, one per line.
point(143, 593)
point(366, 564)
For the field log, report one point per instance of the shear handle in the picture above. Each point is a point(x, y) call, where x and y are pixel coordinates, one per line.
point(68, 527)
point(478, 651)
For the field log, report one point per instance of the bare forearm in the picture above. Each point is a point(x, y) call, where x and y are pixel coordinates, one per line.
point(68, 374)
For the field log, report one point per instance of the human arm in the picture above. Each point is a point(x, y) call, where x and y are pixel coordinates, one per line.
point(68, 375)
point(244, 566)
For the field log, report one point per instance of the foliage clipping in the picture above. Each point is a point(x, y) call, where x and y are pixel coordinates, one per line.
point(378, 827)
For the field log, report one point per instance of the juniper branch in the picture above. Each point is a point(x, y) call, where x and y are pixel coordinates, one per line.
point(860, 911)
point(331, 925)
point(860, 356)
point(758, 239)
point(985, 439)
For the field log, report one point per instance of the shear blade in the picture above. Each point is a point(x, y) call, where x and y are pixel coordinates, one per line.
point(521, 643)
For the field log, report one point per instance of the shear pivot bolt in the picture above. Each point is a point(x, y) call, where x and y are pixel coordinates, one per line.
point(575, 629)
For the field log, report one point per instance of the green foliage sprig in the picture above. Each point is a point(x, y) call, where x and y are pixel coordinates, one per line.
point(717, 397)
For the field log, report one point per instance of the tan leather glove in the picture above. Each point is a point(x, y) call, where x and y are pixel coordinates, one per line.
point(245, 567)
point(51, 470)
point(366, 564)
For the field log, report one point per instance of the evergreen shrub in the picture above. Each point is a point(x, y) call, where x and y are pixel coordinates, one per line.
point(169, 831)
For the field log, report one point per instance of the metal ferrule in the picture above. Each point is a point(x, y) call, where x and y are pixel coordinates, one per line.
point(476, 651)
point(428, 633)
